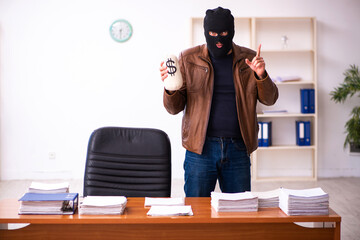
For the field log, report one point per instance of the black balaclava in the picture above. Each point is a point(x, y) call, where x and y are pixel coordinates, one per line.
point(219, 20)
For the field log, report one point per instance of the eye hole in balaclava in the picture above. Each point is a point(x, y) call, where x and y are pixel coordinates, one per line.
point(219, 20)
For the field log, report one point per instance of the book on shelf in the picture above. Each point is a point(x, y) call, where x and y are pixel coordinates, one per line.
point(287, 78)
point(274, 111)
point(49, 203)
point(102, 205)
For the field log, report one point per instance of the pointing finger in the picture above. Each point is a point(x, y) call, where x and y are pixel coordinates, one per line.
point(258, 51)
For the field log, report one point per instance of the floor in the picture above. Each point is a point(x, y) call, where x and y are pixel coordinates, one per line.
point(344, 196)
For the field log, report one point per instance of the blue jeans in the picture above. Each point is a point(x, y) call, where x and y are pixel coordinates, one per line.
point(223, 159)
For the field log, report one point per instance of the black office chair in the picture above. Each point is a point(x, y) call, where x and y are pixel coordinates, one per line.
point(131, 162)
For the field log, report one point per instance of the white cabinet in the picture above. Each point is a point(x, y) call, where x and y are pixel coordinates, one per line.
point(289, 50)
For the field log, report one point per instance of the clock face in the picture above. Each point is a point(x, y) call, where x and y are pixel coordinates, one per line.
point(121, 30)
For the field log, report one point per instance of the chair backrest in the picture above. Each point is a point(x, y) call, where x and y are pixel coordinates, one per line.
point(131, 162)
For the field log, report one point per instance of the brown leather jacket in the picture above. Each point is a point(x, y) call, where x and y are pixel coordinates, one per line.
point(195, 96)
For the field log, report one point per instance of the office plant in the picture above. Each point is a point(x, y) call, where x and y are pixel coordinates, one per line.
point(347, 89)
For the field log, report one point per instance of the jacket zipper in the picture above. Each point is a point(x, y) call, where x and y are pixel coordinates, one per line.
point(237, 103)
point(212, 93)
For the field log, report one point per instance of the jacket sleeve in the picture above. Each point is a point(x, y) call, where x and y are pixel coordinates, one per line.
point(175, 102)
point(267, 91)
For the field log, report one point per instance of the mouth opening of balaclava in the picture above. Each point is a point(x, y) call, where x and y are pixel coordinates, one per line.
point(219, 20)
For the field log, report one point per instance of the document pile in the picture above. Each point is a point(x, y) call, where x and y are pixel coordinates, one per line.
point(312, 201)
point(52, 203)
point(234, 202)
point(170, 211)
point(268, 199)
point(48, 198)
point(103, 205)
point(167, 207)
point(38, 187)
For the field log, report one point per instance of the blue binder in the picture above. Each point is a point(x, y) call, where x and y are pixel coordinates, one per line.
point(266, 134)
point(303, 133)
point(70, 201)
point(260, 140)
point(300, 133)
point(307, 97)
point(307, 133)
point(304, 95)
point(311, 100)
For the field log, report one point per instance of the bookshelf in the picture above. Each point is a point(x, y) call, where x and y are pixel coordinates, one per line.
point(289, 49)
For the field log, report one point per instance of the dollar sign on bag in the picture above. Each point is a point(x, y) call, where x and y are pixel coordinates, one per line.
point(171, 67)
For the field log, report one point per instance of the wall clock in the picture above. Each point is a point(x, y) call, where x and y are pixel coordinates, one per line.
point(121, 30)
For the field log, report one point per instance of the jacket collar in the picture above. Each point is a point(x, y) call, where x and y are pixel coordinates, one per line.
point(238, 53)
point(204, 53)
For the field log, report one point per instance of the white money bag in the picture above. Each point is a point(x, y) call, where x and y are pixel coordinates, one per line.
point(174, 80)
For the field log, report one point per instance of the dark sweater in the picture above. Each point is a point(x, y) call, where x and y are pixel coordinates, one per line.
point(223, 120)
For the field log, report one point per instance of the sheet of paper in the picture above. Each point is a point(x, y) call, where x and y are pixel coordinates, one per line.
point(267, 194)
point(232, 196)
point(150, 201)
point(48, 186)
point(311, 192)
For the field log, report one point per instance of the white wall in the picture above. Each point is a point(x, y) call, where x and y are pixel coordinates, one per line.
point(62, 76)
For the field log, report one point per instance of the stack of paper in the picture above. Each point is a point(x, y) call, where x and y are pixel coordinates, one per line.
point(312, 201)
point(167, 207)
point(103, 205)
point(234, 202)
point(37, 187)
point(170, 211)
point(150, 201)
point(268, 199)
point(53, 203)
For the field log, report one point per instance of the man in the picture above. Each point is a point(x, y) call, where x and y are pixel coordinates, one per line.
point(219, 96)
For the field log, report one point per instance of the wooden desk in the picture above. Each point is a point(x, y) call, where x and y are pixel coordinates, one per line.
point(134, 224)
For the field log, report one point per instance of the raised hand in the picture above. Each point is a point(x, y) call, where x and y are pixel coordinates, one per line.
point(257, 64)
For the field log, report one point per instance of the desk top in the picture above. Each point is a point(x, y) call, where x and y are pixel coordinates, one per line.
point(135, 213)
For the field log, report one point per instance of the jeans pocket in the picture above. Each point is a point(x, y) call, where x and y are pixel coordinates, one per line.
point(239, 144)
